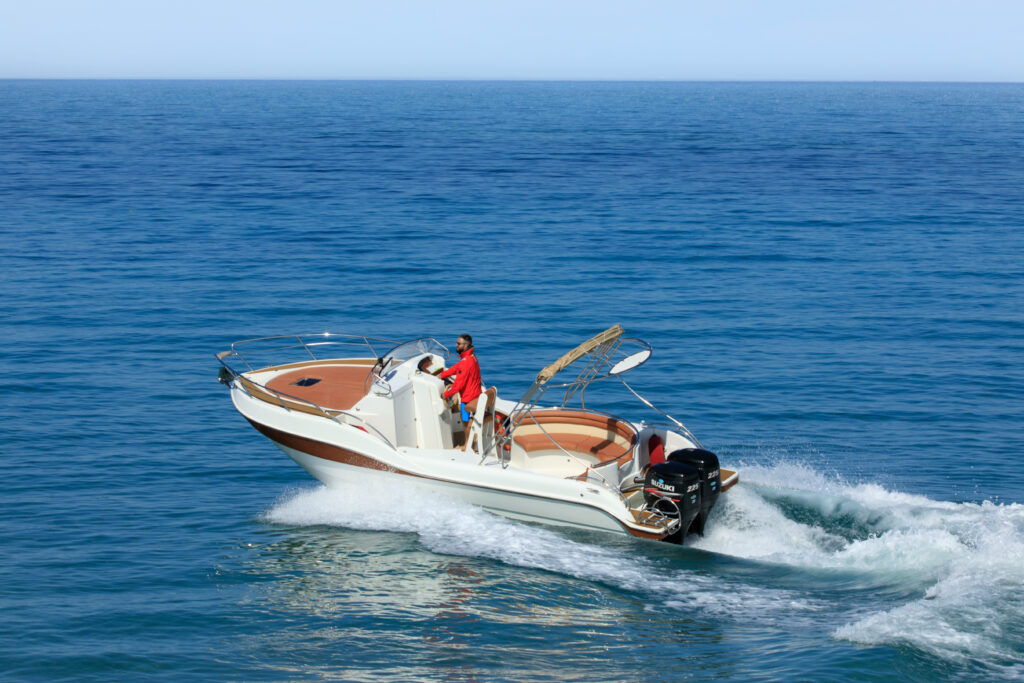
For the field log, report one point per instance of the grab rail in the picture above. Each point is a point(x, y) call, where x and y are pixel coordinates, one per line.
point(228, 375)
point(307, 343)
point(675, 424)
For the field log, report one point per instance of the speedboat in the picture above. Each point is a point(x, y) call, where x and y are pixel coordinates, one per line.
point(351, 409)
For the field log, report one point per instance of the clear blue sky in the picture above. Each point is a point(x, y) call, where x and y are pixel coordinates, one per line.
point(907, 40)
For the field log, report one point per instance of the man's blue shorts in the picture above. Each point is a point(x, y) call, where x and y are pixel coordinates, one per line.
point(465, 413)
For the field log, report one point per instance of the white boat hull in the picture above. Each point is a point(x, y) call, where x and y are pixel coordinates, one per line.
point(524, 507)
point(340, 455)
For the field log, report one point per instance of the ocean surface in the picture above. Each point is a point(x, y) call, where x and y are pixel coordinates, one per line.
point(831, 277)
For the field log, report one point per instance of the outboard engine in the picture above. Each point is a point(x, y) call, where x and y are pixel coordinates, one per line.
point(674, 490)
point(706, 464)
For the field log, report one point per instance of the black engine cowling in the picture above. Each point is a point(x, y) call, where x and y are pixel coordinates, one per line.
point(706, 464)
point(674, 489)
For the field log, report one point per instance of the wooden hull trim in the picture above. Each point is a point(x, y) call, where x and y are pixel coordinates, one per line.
point(323, 450)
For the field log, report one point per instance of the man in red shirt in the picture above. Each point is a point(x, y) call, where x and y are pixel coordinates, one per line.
point(467, 381)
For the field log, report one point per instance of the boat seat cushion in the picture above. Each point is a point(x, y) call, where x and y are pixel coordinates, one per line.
point(602, 437)
point(601, 448)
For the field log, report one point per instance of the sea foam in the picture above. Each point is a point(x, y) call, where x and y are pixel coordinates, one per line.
point(965, 561)
point(451, 527)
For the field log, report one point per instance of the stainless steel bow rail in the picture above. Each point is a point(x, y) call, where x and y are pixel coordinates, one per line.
point(302, 345)
point(306, 347)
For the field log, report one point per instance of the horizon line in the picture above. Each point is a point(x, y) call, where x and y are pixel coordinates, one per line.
point(504, 80)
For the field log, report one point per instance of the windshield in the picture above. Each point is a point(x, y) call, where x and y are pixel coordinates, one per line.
point(416, 347)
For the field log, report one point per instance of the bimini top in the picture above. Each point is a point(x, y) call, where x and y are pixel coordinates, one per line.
point(608, 354)
point(605, 357)
point(602, 356)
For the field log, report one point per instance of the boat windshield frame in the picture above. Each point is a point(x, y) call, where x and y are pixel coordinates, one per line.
point(399, 354)
point(414, 348)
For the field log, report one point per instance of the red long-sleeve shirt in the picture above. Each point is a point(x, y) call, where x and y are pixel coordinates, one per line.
point(467, 377)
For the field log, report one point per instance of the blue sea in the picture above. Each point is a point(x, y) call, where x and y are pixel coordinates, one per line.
point(831, 277)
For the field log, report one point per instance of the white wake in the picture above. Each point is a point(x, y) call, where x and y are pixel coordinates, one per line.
point(966, 560)
point(451, 527)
